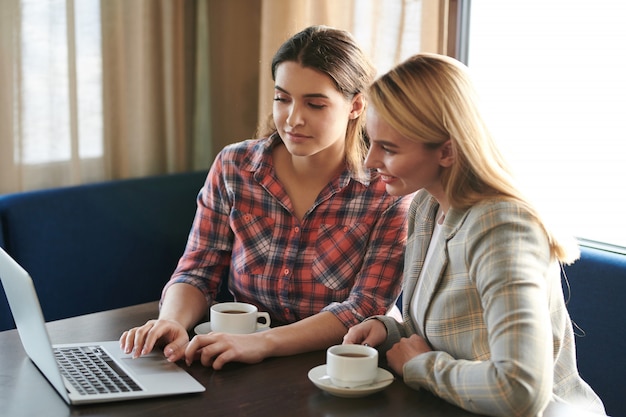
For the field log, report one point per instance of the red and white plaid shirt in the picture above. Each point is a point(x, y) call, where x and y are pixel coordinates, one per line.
point(345, 256)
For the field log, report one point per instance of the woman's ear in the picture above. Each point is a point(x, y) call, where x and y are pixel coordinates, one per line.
point(358, 105)
point(446, 156)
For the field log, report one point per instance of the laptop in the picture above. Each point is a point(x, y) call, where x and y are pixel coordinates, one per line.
point(110, 375)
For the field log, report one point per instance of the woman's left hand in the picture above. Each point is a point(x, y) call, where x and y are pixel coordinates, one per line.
point(216, 349)
point(405, 350)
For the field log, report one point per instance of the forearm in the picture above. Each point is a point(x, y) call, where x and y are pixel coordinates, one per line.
point(313, 333)
point(184, 304)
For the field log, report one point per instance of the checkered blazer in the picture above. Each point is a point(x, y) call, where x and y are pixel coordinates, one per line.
point(491, 307)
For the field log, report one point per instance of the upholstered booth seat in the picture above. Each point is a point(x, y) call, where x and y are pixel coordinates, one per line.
point(597, 305)
point(100, 246)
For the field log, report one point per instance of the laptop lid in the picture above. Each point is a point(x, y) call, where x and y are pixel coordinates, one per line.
point(155, 375)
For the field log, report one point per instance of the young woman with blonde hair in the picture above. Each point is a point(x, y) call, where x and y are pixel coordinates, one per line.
point(485, 324)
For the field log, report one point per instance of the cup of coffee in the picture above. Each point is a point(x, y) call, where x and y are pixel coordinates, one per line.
point(237, 318)
point(349, 366)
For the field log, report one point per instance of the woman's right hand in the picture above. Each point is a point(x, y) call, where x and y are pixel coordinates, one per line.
point(370, 332)
point(167, 333)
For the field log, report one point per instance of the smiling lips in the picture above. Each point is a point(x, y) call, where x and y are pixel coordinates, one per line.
point(386, 178)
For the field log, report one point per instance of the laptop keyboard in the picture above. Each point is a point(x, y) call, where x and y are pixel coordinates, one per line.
point(91, 371)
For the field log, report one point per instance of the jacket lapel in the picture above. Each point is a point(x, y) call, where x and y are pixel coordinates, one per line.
point(431, 277)
point(417, 247)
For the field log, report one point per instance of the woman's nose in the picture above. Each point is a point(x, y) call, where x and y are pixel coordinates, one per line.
point(295, 116)
point(371, 161)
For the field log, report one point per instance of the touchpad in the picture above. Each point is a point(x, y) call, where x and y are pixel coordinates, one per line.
point(150, 365)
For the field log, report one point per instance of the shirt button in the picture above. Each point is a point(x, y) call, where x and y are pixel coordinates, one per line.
point(296, 229)
point(345, 229)
point(247, 217)
point(286, 271)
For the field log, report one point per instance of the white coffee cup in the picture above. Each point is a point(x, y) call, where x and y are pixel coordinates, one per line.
point(237, 318)
point(349, 366)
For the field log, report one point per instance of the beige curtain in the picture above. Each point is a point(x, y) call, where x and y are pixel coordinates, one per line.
point(179, 79)
point(149, 114)
point(9, 174)
point(149, 61)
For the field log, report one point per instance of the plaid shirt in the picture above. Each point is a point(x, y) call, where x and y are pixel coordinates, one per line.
point(345, 256)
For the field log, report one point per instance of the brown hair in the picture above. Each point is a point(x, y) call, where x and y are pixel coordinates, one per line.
point(335, 53)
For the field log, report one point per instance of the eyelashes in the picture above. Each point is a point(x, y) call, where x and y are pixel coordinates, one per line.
point(311, 105)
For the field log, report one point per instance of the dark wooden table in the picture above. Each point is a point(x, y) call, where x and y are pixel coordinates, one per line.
point(276, 387)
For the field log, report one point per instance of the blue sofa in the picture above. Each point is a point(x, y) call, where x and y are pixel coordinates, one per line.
point(100, 246)
point(597, 287)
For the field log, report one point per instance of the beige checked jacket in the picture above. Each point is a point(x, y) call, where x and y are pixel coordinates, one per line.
point(493, 311)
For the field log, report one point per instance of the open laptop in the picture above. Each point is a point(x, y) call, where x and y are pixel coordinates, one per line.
point(123, 378)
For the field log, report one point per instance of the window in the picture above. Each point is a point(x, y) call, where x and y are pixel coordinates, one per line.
point(552, 83)
point(61, 81)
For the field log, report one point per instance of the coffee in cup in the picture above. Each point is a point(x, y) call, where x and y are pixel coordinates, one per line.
point(237, 318)
point(349, 366)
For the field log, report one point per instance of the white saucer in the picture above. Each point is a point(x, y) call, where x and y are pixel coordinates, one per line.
point(318, 376)
point(204, 328)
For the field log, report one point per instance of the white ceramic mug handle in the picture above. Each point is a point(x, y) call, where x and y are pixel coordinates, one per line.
point(266, 316)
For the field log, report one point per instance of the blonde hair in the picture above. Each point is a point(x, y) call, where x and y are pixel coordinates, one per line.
point(335, 53)
point(430, 99)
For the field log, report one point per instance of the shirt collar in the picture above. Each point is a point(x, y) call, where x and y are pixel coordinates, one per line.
point(260, 161)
